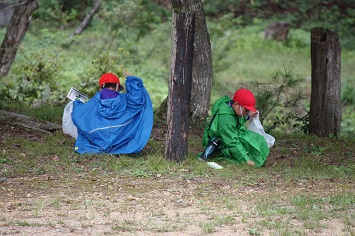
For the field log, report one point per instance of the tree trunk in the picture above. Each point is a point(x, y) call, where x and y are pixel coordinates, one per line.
point(180, 80)
point(202, 60)
point(16, 30)
point(202, 71)
point(325, 110)
point(28, 122)
point(86, 20)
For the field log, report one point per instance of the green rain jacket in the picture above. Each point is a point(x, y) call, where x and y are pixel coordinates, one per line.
point(237, 143)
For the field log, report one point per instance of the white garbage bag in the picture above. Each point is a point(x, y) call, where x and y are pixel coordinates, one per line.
point(67, 123)
point(255, 125)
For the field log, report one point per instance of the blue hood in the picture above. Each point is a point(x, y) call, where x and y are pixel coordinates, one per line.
point(111, 108)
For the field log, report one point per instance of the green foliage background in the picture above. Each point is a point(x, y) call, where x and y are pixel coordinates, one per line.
point(134, 37)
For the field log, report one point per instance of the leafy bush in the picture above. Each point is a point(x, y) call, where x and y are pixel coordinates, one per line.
point(105, 62)
point(34, 76)
point(61, 12)
point(36, 82)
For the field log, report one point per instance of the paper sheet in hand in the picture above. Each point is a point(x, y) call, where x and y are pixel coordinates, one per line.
point(75, 94)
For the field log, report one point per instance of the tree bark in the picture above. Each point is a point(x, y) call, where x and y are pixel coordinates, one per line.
point(325, 106)
point(202, 71)
point(16, 30)
point(180, 80)
point(202, 59)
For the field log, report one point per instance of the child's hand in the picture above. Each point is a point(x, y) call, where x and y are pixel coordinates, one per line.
point(252, 114)
point(251, 163)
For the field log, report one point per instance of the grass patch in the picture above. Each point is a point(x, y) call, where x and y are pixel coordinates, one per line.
point(306, 186)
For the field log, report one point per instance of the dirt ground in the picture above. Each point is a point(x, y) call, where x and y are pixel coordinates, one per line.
point(90, 205)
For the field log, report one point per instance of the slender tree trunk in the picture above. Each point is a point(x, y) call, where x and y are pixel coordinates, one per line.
point(325, 110)
point(180, 80)
point(16, 30)
point(86, 20)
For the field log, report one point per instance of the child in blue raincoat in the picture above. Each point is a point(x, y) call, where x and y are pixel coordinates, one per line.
point(113, 122)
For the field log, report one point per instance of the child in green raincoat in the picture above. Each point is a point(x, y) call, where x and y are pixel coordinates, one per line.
point(236, 142)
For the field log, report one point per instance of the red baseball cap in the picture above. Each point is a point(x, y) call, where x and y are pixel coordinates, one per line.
point(245, 98)
point(110, 78)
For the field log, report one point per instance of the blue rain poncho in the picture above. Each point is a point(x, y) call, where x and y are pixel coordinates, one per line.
point(120, 125)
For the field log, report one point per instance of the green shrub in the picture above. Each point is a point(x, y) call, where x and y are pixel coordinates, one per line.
point(105, 62)
point(61, 12)
point(283, 92)
point(33, 78)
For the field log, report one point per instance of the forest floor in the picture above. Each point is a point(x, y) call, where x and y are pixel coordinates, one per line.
point(84, 203)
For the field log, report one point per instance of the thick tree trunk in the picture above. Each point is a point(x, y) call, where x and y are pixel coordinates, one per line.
point(325, 110)
point(180, 80)
point(6, 11)
point(16, 30)
point(202, 70)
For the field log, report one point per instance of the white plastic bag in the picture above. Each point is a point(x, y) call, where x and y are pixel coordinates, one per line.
point(214, 165)
point(67, 123)
point(255, 125)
